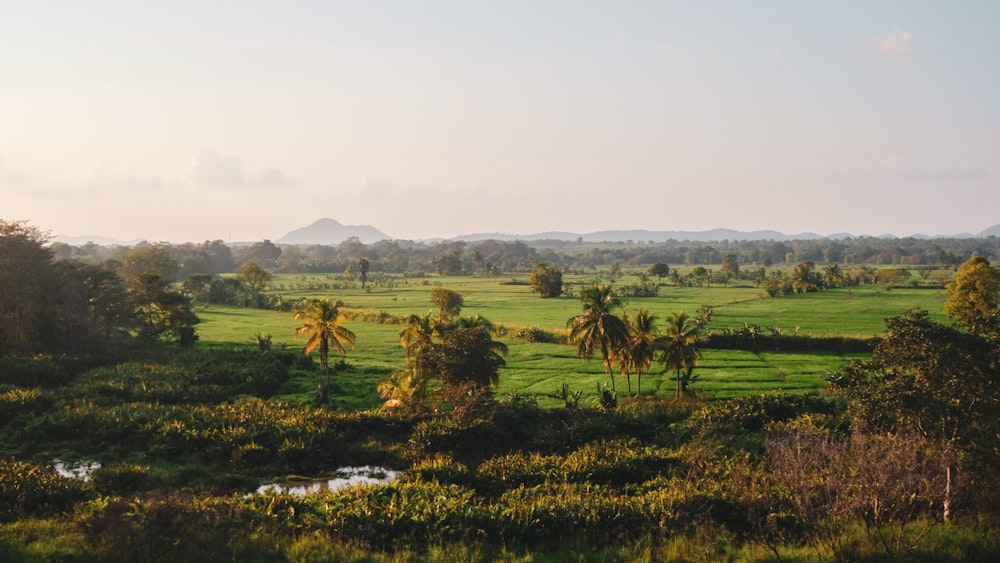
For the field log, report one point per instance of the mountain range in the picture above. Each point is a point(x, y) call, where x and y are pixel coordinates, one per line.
point(329, 231)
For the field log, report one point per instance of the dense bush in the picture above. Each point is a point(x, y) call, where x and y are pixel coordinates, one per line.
point(497, 474)
point(34, 489)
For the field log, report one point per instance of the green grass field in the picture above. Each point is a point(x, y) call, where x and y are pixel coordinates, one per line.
point(541, 369)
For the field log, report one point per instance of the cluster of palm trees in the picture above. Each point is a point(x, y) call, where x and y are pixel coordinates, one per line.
point(467, 363)
point(634, 341)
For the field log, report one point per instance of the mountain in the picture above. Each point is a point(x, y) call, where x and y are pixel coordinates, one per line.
point(329, 231)
point(993, 231)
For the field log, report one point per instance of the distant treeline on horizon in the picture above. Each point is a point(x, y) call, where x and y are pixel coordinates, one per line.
point(495, 257)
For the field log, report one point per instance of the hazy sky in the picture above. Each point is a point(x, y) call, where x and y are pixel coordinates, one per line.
point(242, 120)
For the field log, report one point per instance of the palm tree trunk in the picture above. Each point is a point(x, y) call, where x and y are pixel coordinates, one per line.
point(611, 375)
point(948, 494)
point(638, 382)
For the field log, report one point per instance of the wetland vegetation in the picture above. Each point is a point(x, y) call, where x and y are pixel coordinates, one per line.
point(811, 414)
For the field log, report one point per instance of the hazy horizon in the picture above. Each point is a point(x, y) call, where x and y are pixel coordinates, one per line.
point(189, 121)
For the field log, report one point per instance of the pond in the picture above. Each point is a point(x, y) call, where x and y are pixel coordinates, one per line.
point(81, 469)
point(346, 477)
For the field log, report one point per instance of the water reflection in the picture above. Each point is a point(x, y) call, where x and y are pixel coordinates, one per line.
point(346, 477)
point(76, 469)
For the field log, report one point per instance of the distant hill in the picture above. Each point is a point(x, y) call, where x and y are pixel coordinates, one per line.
point(80, 240)
point(993, 231)
point(646, 235)
point(329, 231)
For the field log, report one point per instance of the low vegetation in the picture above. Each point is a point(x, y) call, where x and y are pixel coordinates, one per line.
point(838, 420)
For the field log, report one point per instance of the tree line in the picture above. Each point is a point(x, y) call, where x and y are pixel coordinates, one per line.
point(495, 258)
point(66, 306)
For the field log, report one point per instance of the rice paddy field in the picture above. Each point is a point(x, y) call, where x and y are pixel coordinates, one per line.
point(540, 369)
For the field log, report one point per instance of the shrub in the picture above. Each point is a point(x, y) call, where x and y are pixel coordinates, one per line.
point(121, 479)
point(34, 489)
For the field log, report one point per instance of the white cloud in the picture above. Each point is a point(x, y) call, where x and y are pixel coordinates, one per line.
point(897, 43)
point(272, 179)
point(212, 169)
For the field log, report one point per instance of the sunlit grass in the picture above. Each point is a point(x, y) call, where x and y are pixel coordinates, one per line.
point(541, 369)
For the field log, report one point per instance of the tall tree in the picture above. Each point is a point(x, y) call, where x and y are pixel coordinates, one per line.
point(265, 253)
point(598, 328)
point(974, 296)
point(936, 380)
point(804, 279)
point(448, 302)
point(163, 313)
point(834, 275)
point(545, 280)
point(154, 260)
point(363, 266)
point(93, 309)
point(643, 342)
point(659, 270)
point(254, 278)
point(418, 335)
point(27, 280)
point(730, 267)
point(465, 356)
point(680, 349)
point(322, 323)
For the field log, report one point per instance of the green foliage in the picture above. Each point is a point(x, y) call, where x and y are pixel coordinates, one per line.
point(937, 381)
point(974, 297)
point(448, 302)
point(660, 270)
point(534, 333)
point(253, 277)
point(122, 479)
point(598, 328)
point(466, 355)
point(49, 306)
point(162, 312)
point(546, 281)
point(34, 489)
point(171, 527)
point(679, 350)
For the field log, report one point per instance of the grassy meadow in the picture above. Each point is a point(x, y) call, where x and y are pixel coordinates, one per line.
point(540, 369)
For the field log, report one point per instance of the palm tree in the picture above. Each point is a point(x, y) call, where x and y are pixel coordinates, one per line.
point(479, 321)
point(804, 280)
point(416, 338)
point(680, 349)
point(834, 275)
point(643, 341)
point(597, 328)
point(322, 321)
point(405, 389)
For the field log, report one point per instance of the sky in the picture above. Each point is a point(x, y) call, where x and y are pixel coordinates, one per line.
point(187, 121)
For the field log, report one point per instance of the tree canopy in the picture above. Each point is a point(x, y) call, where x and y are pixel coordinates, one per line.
point(545, 280)
point(598, 328)
point(974, 296)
